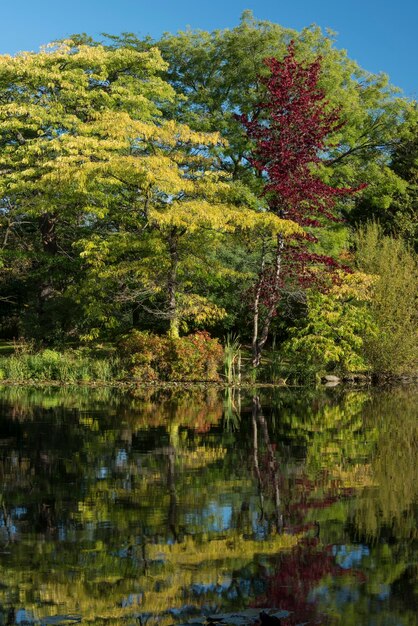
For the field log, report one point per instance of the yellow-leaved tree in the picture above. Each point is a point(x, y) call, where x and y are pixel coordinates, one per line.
point(124, 205)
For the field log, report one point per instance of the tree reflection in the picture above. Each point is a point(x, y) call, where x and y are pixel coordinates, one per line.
point(149, 503)
point(272, 480)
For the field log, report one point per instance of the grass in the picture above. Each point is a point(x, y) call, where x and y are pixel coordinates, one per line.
point(6, 348)
point(69, 366)
point(232, 360)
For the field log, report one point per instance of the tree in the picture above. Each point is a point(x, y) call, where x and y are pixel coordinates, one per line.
point(397, 212)
point(217, 75)
point(331, 336)
point(68, 115)
point(99, 191)
point(292, 128)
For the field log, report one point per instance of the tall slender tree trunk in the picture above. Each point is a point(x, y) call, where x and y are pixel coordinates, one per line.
point(256, 310)
point(273, 470)
point(255, 454)
point(47, 228)
point(171, 480)
point(174, 329)
point(260, 338)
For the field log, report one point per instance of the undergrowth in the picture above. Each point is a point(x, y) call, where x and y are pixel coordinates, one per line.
point(68, 366)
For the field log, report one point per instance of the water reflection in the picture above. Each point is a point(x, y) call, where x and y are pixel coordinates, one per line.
point(164, 507)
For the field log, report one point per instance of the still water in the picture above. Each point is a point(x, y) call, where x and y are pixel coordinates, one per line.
point(168, 507)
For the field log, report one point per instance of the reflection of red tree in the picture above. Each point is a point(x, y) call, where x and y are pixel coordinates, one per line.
point(305, 495)
point(299, 571)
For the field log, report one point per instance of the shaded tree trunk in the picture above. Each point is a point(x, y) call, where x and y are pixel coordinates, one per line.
point(174, 328)
point(47, 227)
point(260, 338)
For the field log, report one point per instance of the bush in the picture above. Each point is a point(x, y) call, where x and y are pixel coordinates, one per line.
point(393, 304)
point(329, 339)
point(196, 357)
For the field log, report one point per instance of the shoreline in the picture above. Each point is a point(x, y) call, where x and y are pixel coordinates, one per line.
point(351, 383)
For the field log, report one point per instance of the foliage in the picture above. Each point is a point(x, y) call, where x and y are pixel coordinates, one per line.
point(397, 213)
point(68, 116)
point(393, 348)
point(132, 198)
point(217, 73)
point(111, 196)
point(195, 357)
point(292, 128)
point(393, 467)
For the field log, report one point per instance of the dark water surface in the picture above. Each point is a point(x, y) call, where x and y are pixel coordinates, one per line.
point(158, 507)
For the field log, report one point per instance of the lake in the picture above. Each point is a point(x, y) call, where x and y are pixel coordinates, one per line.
point(171, 507)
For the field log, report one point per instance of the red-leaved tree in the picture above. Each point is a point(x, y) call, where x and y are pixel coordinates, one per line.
point(292, 130)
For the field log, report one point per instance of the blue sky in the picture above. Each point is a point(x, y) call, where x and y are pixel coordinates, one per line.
point(381, 35)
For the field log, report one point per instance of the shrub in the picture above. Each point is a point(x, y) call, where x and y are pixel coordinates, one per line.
point(393, 302)
point(331, 338)
point(196, 357)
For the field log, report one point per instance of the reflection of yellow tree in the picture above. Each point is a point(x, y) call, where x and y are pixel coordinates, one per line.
point(196, 408)
point(100, 584)
point(147, 499)
point(139, 536)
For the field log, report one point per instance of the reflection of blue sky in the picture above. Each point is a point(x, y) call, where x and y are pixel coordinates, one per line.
point(102, 473)
point(349, 556)
point(62, 534)
point(214, 517)
point(341, 591)
point(221, 587)
point(8, 529)
point(19, 511)
point(230, 587)
point(24, 617)
point(344, 595)
point(384, 592)
point(121, 458)
point(260, 527)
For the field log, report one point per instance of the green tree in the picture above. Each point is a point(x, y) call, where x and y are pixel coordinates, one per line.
point(67, 114)
point(330, 337)
point(217, 75)
point(396, 212)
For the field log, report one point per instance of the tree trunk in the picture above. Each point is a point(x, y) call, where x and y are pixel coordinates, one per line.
point(47, 226)
point(273, 470)
point(255, 454)
point(171, 480)
point(256, 310)
point(174, 330)
point(259, 340)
